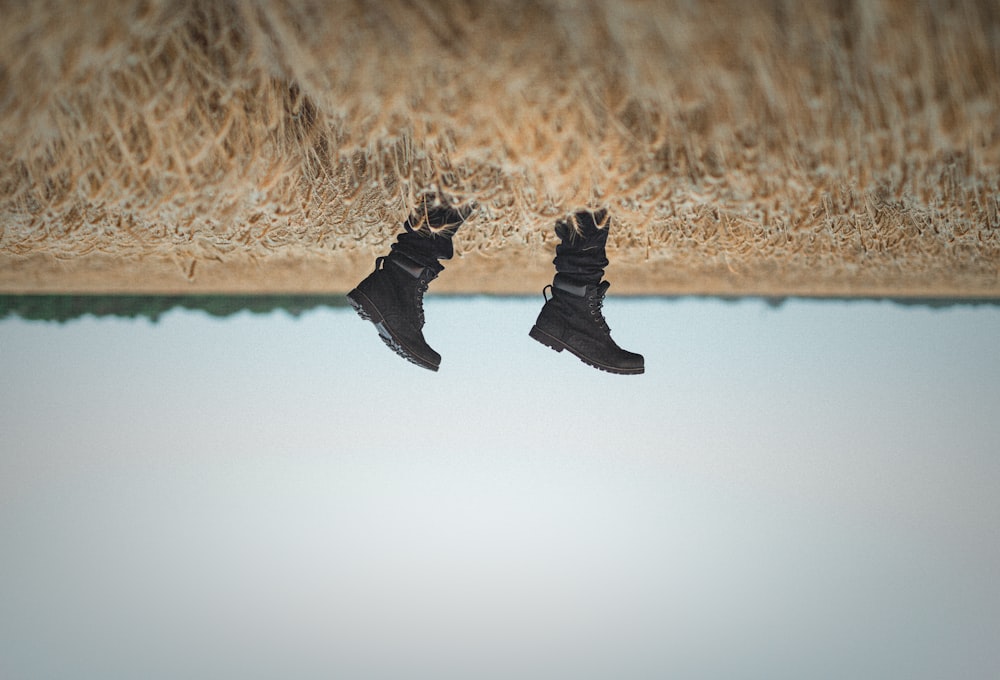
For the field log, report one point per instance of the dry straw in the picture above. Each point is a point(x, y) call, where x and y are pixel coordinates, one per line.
point(779, 138)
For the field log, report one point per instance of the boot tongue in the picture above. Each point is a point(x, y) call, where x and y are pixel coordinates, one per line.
point(599, 290)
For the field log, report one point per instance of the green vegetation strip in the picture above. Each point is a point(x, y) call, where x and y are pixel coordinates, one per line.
point(67, 307)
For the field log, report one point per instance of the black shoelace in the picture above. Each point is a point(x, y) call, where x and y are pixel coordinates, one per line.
point(596, 303)
point(422, 283)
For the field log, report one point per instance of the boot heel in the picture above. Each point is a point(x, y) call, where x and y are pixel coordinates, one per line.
point(541, 336)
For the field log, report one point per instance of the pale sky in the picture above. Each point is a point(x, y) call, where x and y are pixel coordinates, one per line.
point(809, 491)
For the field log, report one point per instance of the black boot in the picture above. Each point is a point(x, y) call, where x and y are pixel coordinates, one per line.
point(392, 298)
point(575, 322)
point(572, 318)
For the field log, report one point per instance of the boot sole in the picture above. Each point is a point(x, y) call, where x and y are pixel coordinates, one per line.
point(558, 345)
point(367, 310)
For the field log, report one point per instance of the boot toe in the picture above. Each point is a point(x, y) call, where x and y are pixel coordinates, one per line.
point(408, 344)
point(632, 362)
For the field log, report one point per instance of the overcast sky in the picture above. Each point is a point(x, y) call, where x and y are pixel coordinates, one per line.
point(809, 491)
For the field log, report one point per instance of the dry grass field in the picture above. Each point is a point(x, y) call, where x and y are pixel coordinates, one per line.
point(778, 147)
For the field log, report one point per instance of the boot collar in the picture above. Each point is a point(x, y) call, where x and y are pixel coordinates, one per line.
point(411, 268)
point(581, 291)
point(578, 291)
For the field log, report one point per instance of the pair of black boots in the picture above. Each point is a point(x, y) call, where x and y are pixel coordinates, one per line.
point(392, 296)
